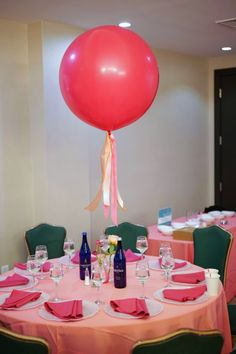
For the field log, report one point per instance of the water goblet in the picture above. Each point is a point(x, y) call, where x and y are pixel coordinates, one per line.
point(142, 273)
point(69, 249)
point(168, 263)
point(142, 244)
point(33, 267)
point(56, 274)
point(41, 254)
point(97, 278)
point(104, 242)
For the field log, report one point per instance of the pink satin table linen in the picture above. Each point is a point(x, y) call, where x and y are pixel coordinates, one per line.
point(104, 334)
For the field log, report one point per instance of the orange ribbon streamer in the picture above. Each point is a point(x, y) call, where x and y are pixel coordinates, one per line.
point(108, 188)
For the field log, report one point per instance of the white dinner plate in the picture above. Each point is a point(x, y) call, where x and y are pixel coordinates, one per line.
point(184, 284)
point(29, 285)
point(154, 308)
point(228, 213)
point(155, 265)
point(178, 225)
point(89, 310)
point(165, 229)
point(159, 296)
point(25, 272)
point(65, 260)
point(43, 297)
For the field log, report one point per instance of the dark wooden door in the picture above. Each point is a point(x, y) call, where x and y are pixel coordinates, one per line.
point(225, 138)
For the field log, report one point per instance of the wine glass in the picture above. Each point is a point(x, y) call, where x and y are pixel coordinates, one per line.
point(142, 244)
point(142, 274)
point(97, 277)
point(69, 249)
point(167, 263)
point(41, 254)
point(104, 242)
point(56, 274)
point(33, 267)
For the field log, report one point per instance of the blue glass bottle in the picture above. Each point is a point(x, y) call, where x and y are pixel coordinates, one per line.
point(84, 257)
point(119, 267)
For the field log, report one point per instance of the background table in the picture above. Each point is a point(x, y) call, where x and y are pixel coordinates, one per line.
point(184, 250)
point(103, 334)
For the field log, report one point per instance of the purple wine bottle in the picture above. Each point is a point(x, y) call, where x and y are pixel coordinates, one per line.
point(119, 267)
point(84, 257)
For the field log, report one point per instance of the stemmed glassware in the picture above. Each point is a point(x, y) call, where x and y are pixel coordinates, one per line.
point(167, 263)
point(142, 244)
point(41, 254)
point(97, 277)
point(104, 242)
point(142, 274)
point(33, 266)
point(56, 274)
point(69, 249)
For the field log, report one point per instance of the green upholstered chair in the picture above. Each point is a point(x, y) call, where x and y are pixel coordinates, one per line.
point(128, 232)
point(211, 248)
point(44, 234)
point(13, 343)
point(184, 341)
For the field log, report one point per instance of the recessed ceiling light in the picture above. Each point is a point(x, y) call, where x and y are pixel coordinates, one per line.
point(226, 49)
point(125, 24)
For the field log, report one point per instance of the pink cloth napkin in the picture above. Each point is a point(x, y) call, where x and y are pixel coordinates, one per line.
point(191, 278)
point(75, 259)
point(65, 310)
point(19, 298)
point(177, 264)
point(23, 266)
point(131, 256)
point(130, 306)
point(183, 295)
point(13, 280)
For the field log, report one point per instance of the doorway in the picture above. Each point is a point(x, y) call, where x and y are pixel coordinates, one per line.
point(225, 138)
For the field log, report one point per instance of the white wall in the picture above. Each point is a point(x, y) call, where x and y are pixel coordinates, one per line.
point(163, 157)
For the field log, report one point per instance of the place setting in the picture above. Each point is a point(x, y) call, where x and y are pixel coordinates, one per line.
point(16, 281)
point(22, 300)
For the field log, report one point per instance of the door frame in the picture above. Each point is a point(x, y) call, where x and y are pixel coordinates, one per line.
point(218, 128)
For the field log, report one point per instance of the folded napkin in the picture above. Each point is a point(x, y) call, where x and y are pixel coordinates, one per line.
point(75, 259)
point(131, 256)
point(65, 310)
point(13, 280)
point(46, 266)
point(191, 278)
point(19, 298)
point(184, 295)
point(177, 264)
point(130, 306)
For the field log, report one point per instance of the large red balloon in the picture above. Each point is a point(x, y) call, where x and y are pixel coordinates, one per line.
point(109, 77)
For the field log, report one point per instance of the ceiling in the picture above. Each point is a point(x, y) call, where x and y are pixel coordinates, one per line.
point(185, 26)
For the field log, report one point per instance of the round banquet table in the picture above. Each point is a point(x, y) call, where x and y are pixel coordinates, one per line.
point(185, 250)
point(104, 334)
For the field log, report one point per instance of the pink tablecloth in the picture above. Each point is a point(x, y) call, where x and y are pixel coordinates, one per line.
point(103, 334)
point(184, 250)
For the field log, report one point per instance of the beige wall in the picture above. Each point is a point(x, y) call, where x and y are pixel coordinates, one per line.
point(49, 162)
point(15, 169)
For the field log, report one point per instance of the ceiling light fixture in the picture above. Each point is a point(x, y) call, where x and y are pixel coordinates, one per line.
point(226, 49)
point(125, 24)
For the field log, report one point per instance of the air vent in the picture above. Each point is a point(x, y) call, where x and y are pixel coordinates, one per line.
point(230, 22)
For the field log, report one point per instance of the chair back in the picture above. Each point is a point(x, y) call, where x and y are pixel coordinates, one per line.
point(44, 234)
point(184, 341)
point(211, 248)
point(13, 343)
point(128, 232)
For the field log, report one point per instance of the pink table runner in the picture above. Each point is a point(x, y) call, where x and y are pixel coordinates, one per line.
point(104, 334)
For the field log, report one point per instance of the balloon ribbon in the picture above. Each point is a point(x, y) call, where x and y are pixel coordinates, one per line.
point(108, 187)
